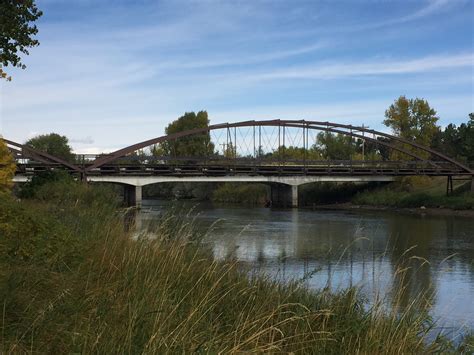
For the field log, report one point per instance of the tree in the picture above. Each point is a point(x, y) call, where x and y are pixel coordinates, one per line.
point(16, 31)
point(296, 153)
point(7, 167)
point(196, 145)
point(457, 142)
point(230, 151)
point(466, 138)
point(53, 144)
point(414, 120)
point(336, 146)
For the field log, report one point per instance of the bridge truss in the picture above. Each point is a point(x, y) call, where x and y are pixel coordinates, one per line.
point(272, 147)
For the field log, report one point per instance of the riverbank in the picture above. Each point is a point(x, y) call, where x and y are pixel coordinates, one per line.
point(348, 206)
point(73, 279)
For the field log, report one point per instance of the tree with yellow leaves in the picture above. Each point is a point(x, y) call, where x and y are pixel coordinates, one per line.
point(7, 167)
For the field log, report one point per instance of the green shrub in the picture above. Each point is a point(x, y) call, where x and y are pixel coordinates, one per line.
point(29, 189)
point(396, 198)
point(255, 194)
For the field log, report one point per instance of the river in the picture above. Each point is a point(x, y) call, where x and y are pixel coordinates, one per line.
point(337, 249)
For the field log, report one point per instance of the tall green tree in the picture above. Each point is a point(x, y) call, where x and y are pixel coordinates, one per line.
point(7, 167)
point(297, 153)
point(466, 138)
point(17, 32)
point(414, 120)
point(53, 144)
point(457, 142)
point(196, 145)
point(336, 146)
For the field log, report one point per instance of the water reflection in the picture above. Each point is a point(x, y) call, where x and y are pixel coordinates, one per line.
point(391, 256)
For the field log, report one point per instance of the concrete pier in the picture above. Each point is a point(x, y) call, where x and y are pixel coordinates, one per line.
point(132, 196)
point(283, 195)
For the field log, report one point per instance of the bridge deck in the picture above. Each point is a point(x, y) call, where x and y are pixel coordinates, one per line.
point(324, 169)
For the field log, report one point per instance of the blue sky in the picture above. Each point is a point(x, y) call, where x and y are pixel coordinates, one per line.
point(111, 73)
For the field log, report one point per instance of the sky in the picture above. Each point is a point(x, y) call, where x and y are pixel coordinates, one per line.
point(110, 73)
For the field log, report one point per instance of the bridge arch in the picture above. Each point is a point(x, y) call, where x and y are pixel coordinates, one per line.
point(359, 132)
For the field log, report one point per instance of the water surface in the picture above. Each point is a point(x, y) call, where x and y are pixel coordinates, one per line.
point(338, 249)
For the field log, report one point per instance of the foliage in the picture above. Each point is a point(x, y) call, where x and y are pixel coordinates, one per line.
point(457, 142)
point(73, 281)
point(230, 151)
point(180, 190)
point(336, 147)
point(197, 145)
point(254, 194)
point(413, 120)
point(53, 144)
point(297, 153)
point(398, 196)
point(7, 167)
point(16, 31)
point(32, 187)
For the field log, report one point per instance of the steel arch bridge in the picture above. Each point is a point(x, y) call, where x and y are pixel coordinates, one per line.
point(255, 148)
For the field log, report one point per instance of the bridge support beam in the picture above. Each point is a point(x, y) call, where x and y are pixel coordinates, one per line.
point(132, 196)
point(284, 195)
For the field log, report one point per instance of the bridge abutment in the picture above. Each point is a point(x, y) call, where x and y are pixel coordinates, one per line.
point(283, 195)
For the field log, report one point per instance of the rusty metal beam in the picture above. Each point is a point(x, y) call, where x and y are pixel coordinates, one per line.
point(42, 156)
point(317, 125)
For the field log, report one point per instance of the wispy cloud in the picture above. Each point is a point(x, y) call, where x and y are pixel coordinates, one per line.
point(432, 7)
point(375, 67)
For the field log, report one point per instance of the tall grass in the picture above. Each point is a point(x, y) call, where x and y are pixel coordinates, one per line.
point(394, 198)
point(417, 191)
point(73, 280)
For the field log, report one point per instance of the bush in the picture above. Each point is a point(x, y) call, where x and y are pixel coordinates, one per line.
point(255, 194)
point(29, 189)
point(393, 198)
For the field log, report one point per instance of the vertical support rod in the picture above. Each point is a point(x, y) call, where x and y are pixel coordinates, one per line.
point(363, 144)
point(254, 151)
point(449, 185)
point(226, 148)
point(259, 140)
point(284, 146)
point(235, 142)
point(305, 143)
point(279, 143)
point(351, 147)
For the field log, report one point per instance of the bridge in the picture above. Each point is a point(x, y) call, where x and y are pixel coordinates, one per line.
point(281, 153)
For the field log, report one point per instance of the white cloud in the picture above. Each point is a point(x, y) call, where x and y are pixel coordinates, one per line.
point(376, 67)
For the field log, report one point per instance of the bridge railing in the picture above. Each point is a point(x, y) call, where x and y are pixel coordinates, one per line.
point(331, 167)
